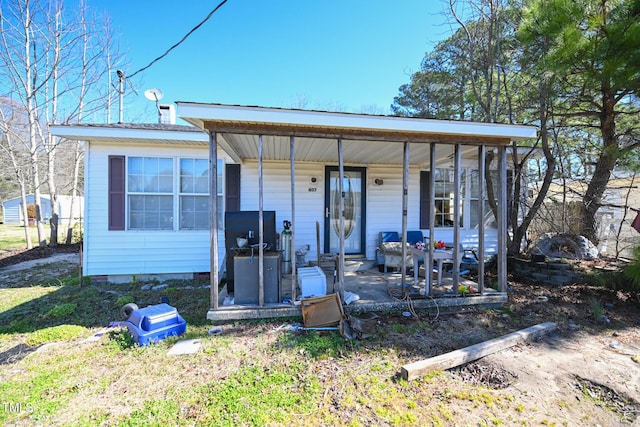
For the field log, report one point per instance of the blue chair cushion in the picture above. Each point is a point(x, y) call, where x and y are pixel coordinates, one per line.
point(389, 236)
point(414, 237)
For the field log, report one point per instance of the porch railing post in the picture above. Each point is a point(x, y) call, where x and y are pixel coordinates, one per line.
point(482, 153)
point(213, 219)
point(293, 218)
point(428, 267)
point(456, 216)
point(260, 227)
point(502, 219)
point(405, 206)
point(341, 190)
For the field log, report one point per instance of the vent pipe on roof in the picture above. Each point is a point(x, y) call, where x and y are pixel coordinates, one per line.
point(167, 114)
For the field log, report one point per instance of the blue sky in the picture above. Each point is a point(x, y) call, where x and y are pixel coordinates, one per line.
point(348, 55)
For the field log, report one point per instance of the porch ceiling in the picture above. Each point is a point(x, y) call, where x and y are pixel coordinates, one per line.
point(243, 147)
point(367, 139)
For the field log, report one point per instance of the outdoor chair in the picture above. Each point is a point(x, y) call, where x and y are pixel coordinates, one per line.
point(392, 252)
point(385, 236)
point(389, 251)
point(414, 236)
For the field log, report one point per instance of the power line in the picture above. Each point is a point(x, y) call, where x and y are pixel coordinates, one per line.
point(181, 40)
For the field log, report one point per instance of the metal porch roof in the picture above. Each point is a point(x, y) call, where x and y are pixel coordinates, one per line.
point(367, 139)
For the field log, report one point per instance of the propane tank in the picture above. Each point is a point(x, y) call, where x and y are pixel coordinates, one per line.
point(285, 247)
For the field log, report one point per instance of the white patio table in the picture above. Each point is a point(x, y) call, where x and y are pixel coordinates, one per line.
point(439, 255)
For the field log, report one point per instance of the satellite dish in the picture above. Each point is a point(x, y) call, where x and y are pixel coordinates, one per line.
point(153, 94)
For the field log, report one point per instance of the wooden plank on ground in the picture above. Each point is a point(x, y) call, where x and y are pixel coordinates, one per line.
point(468, 354)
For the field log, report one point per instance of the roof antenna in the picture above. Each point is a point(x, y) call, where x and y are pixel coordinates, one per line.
point(155, 95)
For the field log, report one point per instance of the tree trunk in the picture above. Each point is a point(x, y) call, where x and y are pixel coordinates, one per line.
point(74, 192)
point(53, 194)
point(25, 216)
point(592, 199)
point(520, 231)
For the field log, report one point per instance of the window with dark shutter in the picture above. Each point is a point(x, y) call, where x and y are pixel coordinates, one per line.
point(116, 202)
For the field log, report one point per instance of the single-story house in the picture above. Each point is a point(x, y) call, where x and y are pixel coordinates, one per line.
point(341, 179)
point(12, 214)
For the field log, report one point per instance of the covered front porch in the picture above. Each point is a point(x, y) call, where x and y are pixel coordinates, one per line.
point(278, 141)
point(367, 289)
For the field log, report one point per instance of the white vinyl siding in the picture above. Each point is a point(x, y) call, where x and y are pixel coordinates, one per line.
point(187, 251)
point(138, 251)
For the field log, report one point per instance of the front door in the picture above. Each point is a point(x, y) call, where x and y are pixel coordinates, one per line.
point(354, 187)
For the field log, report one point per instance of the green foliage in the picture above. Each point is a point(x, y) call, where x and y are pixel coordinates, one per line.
point(27, 309)
point(600, 40)
point(55, 333)
point(121, 339)
point(77, 233)
point(258, 396)
point(626, 279)
point(597, 309)
point(124, 300)
point(18, 326)
point(315, 344)
point(589, 53)
point(62, 310)
point(632, 271)
point(154, 412)
point(36, 395)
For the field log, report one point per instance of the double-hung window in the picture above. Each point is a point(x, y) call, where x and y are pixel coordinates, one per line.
point(150, 192)
point(194, 194)
point(444, 181)
point(444, 192)
point(161, 189)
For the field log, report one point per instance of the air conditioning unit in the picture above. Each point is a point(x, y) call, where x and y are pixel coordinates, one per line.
point(167, 114)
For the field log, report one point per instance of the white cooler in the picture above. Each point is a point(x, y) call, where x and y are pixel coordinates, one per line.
point(312, 282)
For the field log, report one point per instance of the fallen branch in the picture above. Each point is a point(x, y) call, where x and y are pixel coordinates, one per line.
point(474, 352)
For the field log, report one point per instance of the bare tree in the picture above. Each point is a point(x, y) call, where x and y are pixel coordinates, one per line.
point(57, 63)
point(12, 144)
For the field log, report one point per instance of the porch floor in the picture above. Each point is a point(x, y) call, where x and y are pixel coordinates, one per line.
point(376, 292)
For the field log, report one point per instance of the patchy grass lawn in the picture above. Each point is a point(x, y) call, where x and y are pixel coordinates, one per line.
point(254, 373)
point(12, 237)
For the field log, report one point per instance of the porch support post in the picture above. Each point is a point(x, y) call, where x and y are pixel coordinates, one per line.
point(428, 265)
point(405, 204)
point(260, 227)
point(482, 153)
point(293, 218)
point(502, 219)
point(341, 190)
point(213, 220)
point(457, 160)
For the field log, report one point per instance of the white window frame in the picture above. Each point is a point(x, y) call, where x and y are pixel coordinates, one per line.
point(194, 193)
point(144, 193)
point(176, 194)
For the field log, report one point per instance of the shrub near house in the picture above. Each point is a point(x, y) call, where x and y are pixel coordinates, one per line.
point(31, 214)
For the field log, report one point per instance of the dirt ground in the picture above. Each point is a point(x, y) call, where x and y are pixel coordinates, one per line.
point(587, 372)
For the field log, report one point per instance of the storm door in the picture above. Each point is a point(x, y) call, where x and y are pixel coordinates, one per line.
point(354, 187)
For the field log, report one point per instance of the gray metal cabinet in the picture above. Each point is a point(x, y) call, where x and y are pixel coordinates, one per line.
point(247, 281)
